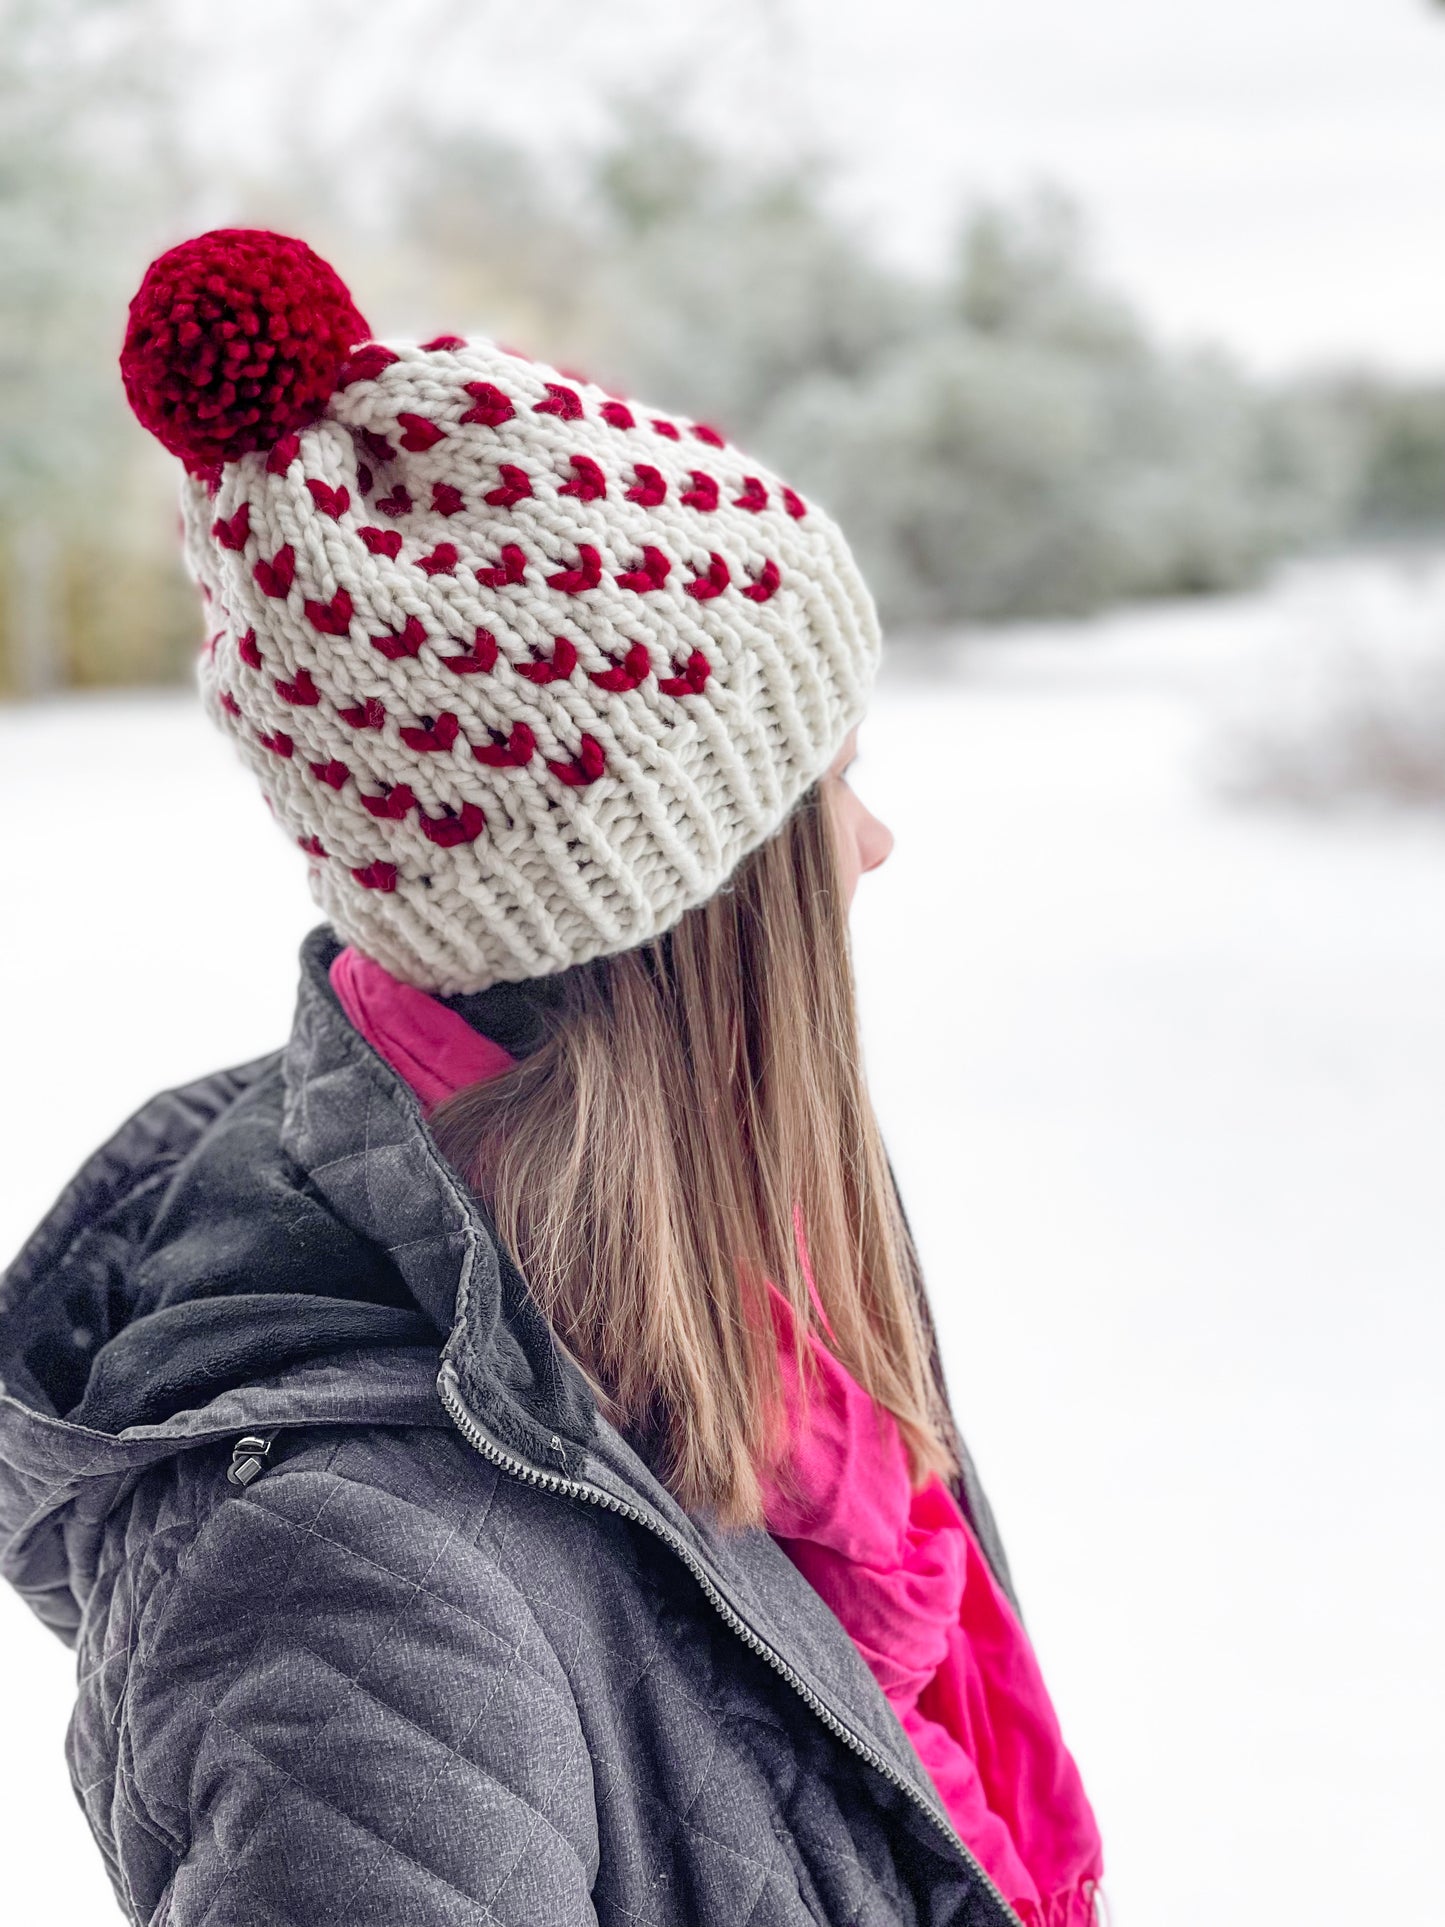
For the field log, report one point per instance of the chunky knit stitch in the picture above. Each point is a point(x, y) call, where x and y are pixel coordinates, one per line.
point(525, 668)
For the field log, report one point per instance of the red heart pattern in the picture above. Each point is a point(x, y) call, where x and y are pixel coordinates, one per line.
point(514, 753)
point(301, 690)
point(365, 364)
point(580, 477)
point(332, 618)
point(233, 534)
point(438, 735)
point(462, 826)
point(480, 657)
point(377, 446)
point(391, 805)
point(589, 765)
point(421, 433)
point(558, 669)
point(564, 403)
point(766, 585)
point(274, 578)
point(651, 573)
point(511, 568)
point(515, 486)
point(586, 575)
point(283, 454)
point(490, 407)
point(624, 675)
point(649, 488)
point(588, 483)
point(703, 493)
point(717, 578)
point(692, 680)
point(330, 501)
point(398, 645)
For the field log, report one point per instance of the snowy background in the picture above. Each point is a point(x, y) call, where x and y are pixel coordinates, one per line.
point(1154, 984)
point(1162, 1073)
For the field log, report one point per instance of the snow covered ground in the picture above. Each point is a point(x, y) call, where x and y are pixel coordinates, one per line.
point(1163, 1080)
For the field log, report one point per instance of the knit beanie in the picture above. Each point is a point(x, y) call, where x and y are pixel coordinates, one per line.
point(523, 666)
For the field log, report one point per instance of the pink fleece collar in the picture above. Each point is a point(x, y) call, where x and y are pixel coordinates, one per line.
point(434, 1050)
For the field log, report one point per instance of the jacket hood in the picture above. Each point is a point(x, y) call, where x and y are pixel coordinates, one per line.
point(276, 1244)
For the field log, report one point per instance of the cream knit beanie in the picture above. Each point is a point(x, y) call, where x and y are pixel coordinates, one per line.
point(525, 668)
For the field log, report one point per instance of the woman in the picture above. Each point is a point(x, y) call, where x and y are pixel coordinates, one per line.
point(491, 1454)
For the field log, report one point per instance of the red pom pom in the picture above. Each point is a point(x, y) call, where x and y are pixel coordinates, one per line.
point(235, 339)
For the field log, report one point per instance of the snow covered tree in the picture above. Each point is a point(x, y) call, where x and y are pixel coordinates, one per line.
point(1030, 453)
point(721, 286)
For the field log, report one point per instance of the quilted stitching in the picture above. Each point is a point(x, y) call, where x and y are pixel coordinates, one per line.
point(350, 1822)
point(317, 1732)
point(746, 1829)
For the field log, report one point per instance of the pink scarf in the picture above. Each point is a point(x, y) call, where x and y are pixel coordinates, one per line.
point(900, 1568)
point(905, 1575)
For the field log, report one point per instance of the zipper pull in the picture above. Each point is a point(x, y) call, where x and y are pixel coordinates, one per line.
point(248, 1457)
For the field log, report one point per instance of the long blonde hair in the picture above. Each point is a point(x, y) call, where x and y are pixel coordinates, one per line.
point(695, 1102)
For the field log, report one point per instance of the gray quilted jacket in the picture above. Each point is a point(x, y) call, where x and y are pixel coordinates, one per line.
point(377, 1620)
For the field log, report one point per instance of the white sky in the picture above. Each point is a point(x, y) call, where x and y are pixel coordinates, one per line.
point(1269, 173)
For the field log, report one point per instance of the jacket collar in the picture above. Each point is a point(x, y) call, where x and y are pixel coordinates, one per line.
point(352, 1125)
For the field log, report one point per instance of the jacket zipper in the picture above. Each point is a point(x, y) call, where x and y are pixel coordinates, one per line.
point(472, 1432)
